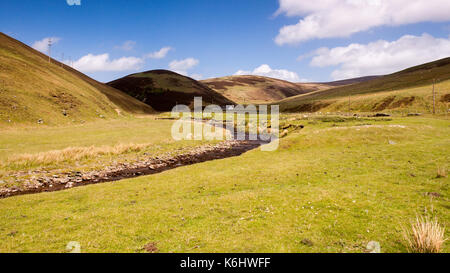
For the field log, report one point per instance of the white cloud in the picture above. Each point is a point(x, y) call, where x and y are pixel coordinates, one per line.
point(197, 76)
point(73, 2)
point(341, 18)
point(266, 71)
point(381, 57)
point(95, 63)
point(182, 66)
point(160, 53)
point(42, 45)
point(127, 46)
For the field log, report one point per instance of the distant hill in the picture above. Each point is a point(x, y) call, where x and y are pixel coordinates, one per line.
point(163, 89)
point(350, 81)
point(32, 89)
point(417, 76)
point(258, 89)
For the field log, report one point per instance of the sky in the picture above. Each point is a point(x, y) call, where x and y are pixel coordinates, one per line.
point(294, 40)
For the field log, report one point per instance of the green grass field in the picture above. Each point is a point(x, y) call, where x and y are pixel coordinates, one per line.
point(89, 146)
point(337, 184)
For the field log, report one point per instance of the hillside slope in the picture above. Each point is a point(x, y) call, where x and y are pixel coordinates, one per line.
point(350, 81)
point(258, 89)
point(411, 78)
point(32, 89)
point(163, 89)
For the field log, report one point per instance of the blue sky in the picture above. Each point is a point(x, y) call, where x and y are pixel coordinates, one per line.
point(319, 40)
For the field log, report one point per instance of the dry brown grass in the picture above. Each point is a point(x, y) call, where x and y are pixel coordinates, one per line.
point(425, 236)
point(73, 154)
point(441, 172)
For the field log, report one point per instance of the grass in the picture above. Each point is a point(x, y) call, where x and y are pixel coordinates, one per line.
point(404, 101)
point(163, 89)
point(441, 172)
point(75, 154)
point(33, 89)
point(371, 95)
point(426, 236)
point(104, 132)
point(257, 89)
point(337, 189)
point(165, 81)
point(89, 146)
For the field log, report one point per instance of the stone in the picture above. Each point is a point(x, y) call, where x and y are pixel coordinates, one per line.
point(307, 242)
point(381, 115)
point(373, 247)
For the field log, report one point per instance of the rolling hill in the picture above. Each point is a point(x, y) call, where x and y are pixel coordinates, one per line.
point(258, 89)
point(34, 90)
point(163, 89)
point(384, 92)
point(349, 81)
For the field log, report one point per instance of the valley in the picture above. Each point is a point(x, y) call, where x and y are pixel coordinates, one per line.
point(97, 163)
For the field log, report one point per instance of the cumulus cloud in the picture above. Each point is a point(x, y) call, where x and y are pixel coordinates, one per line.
point(381, 57)
point(182, 66)
point(102, 62)
point(42, 45)
point(73, 2)
point(266, 71)
point(160, 53)
point(127, 45)
point(341, 18)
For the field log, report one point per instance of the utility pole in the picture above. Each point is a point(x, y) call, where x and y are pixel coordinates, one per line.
point(49, 49)
point(349, 109)
point(434, 98)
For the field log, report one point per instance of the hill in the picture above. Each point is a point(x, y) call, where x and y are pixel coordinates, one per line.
point(417, 79)
point(350, 81)
point(163, 89)
point(258, 89)
point(33, 90)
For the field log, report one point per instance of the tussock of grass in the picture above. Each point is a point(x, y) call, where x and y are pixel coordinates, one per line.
point(426, 236)
point(74, 153)
point(441, 172)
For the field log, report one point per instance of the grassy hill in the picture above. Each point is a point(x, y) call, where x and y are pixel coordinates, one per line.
point(32, 89)
point(398, 90)
point(258, 89)
point(163, 89)
point(350, 81)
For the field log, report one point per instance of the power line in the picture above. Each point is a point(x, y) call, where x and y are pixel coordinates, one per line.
point(49, 49)
point(434, 97)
